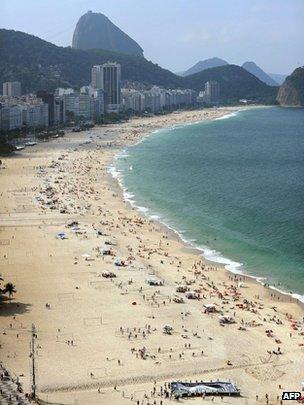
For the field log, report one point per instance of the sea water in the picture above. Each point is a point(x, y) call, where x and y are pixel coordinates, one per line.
point(233, 187)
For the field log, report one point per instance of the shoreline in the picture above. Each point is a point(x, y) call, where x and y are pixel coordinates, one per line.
point(205, 251)
point(90, 328)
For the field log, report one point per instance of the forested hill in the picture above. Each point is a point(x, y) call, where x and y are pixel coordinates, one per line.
point(291, 92)
point(235, 83)
point(41, 65)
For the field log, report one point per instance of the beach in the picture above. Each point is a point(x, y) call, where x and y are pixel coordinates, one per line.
point(100, 281)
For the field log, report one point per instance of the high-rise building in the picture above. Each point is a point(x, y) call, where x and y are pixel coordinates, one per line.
point(98, 103)
point(80, 104)
point(48, 98)
point(212, 91)
point(84, 106)
point(12, 89)
point(11, 117)
point(108, 78)
point(211, 94)
point(96, 77)
point(59, 110)
point(35, 115)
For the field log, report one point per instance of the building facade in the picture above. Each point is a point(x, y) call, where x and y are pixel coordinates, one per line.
point(211, 94)
point(35, 115)
point(96, 77)
point(59, 111)
point(157, 99)
point(29, 111)
point(12, 89)
point(107, 77)
point(11, 117)
point(48, 98)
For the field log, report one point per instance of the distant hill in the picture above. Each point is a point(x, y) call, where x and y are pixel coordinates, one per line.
point(203, 65)
point(96, 31)
point(235, 83)
point(259, 73)
point(291, 93)
point(41, 65)
point(277, 77)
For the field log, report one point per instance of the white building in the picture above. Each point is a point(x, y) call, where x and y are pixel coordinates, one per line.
point(80, 104)
point(83, 106)
point(211, 94)
point(90, 90)
point(25, 110)
point(11, 117)
point(157, 99)
point(132, 100)
point(99, 103)
point(12, 89)
point(96, 77)
point(35, 115)
point(60, 91)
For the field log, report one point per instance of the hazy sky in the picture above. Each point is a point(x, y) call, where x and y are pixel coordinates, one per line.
point(178, 33)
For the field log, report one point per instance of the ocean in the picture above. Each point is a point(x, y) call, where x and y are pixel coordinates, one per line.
point(232, 187)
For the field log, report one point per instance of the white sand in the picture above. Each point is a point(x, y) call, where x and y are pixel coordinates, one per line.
point(89, 309)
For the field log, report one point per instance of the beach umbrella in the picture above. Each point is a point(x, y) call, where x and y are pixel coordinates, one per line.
point(61, 235)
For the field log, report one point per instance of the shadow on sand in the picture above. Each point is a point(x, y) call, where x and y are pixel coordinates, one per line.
point(42, 402)
point(10, 307)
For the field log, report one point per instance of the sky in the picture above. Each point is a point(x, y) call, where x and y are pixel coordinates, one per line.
point(178, 33)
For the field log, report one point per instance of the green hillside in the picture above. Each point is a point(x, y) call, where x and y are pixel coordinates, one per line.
point(41, 65)
point(235, 83)
point(291, 92)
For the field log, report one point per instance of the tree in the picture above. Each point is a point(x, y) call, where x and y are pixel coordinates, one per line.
point(10, 289)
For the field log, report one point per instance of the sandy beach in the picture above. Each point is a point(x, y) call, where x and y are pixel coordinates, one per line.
point(84, 261)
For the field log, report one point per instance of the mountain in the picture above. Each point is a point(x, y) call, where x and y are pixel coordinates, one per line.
point(203, 65)
point(96, 31)
point(41, 65)
point(38, 64)
point(278, 78)
point(235, 83)
point(291, 92)
point(251, 67)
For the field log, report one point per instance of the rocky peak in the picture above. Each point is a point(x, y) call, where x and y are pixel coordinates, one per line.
point(96, 31)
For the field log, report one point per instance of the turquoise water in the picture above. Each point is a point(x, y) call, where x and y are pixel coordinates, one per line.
point(234, 186)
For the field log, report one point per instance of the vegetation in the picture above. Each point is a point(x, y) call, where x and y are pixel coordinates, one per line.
point(292, 90)
point(41, 65)
point(113, 118)
point(5, 148)
point(9, 289)
point(235, 83)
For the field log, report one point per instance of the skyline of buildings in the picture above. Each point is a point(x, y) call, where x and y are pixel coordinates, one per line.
point(26, 110)
point(103, 96)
